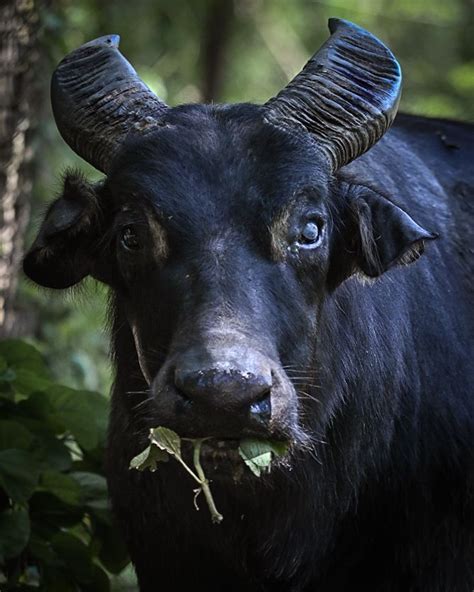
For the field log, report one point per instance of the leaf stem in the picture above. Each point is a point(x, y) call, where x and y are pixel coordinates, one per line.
point(217, 517)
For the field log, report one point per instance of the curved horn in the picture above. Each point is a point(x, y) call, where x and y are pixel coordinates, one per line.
point(347, 95)
point(98, 98)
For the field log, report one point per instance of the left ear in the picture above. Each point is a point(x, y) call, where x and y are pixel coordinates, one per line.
point(378, 234)
point(61, 255)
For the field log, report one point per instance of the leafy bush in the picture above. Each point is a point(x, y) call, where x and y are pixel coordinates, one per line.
point(56, 529)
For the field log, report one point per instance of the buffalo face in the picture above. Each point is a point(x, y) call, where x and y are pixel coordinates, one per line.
point(221, 236)
point(225, 283)
point(221, 230)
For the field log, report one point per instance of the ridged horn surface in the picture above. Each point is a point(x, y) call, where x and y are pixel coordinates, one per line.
point(98, 99)
point(347, 95)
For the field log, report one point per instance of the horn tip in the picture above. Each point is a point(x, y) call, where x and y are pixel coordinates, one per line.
point(334, 23)
point(105, 41)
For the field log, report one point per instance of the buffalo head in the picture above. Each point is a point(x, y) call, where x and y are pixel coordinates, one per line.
point(222, 229)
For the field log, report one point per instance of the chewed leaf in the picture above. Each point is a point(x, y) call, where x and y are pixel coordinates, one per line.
point(138, 461)
point(166, 440)
point(149, 458)
point(257, 454)
point(258, 464)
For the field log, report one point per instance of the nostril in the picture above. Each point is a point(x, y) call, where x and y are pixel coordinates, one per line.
point(262, 408)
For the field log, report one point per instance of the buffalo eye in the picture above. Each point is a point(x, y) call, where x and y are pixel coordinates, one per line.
point(310, 235)
point(129, 239)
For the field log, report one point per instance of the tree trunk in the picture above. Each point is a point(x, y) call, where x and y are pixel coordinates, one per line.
point(18, 52)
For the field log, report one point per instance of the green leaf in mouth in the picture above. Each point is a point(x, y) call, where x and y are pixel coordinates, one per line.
point(166, 440)
point(256, 454)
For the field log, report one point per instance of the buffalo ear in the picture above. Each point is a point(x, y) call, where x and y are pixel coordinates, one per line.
point(61, 254)
point(378, 235)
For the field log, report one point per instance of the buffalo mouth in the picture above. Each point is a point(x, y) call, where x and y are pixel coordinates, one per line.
point(225, 407)
point(221, 460)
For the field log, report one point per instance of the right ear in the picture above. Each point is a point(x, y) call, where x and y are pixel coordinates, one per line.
point(61, 255)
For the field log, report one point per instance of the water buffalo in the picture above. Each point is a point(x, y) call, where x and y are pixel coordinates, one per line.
point(265, 278)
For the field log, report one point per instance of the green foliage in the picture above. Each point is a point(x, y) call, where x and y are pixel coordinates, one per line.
point(70, 331)
point(56, 529)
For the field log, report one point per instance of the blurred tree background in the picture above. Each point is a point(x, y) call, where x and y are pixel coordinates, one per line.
point(207, 50)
